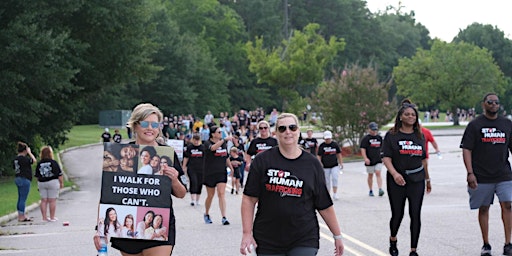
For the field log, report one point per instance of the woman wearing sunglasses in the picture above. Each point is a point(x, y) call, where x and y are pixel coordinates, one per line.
point(216, 159)
point(403, 153)
point(145, 124)
point(259, 144)
point(288, 184)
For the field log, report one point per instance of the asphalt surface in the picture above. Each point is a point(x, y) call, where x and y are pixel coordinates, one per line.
point(448, 226)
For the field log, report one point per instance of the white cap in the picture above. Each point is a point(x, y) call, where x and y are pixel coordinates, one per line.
point(106, 129)
point(327, 135)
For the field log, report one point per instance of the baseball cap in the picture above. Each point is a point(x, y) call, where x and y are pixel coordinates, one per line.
point(373, 126)
point(327, 135)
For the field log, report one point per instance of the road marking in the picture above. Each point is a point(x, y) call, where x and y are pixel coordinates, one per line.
point(353, 240)
point(347, 248)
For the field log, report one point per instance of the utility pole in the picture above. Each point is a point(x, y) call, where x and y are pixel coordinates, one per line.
point(286, 34)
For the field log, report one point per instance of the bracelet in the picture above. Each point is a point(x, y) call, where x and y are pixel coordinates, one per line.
point(469, 173)
point(338, 237)
point(427, 180)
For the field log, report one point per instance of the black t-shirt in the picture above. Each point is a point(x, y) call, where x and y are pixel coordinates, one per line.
point(242, 119)
point(23, 167)
point(259, 145)
point(406, 150)
point(117, 138)
point(489, 142)
point(289, 192)
point(195, 155)
point(215, 161)
point(311, 144)
point(239, 159)
point(106, 137)
point(372, 145)
point(47, 169)
point(328, 153)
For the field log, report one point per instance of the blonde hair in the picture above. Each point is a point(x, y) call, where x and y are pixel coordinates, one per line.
point(262, 122)
point(141, 112)
point(46, 153)
point(285, 115)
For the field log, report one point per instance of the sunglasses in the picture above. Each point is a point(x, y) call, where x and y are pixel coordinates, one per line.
point(145, 124)
point(408, 105)
point(292, 127)
point(490, 102)
point(263, 128)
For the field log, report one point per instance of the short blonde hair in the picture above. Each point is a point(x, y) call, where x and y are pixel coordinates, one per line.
point(285, 115)
point(141, 112)
point(262, 122)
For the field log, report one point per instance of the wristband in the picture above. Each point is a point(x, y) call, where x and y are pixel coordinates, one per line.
point(338, 237)
point(427, 180)
point(469, 173)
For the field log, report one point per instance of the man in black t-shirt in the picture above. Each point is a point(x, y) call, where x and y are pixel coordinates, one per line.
point(485, 149)
point(105, 136)
point(329, 153)
point(370, 150)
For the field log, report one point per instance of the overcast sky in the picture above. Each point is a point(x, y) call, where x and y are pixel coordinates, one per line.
point(444, 18)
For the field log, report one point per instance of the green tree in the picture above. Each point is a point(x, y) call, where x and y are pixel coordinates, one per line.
point(224, 35)
point(491, 38)
point(297, 66)
point(118, 55)
point(190, 81)
point(39, 62)
point(351, 100)
point(450, 75)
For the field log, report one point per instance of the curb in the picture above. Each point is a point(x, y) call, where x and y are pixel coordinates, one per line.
point(14, 215)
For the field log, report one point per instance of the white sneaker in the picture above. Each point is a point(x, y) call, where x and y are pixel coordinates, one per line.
point(197, 203)
point(335, 196)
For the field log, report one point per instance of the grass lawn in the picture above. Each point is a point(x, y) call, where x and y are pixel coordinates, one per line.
point(79, 135)
point(10, 195)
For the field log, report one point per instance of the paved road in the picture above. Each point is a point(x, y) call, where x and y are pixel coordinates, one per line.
point(449, 227)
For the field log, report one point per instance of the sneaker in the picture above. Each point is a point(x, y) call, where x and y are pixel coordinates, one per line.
point(335, 197)
point(393, 250)
point(207, 219)
point(413, 253)
point(507, 249)
point(225, 221)
point(370, 193)
point(197, 203)
point(381, 192)
point(192, 203)
point(486, 250)
point(232, 190)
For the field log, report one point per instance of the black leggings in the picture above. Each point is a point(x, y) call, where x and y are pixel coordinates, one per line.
point(413, 192)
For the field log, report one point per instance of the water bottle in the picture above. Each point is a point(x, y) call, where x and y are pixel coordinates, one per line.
point(103, 247)
point(439, 155)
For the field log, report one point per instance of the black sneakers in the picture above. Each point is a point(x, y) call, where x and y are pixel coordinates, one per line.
point(507, 249)
point(486, 250)
point(413, 253)
point(393, 251)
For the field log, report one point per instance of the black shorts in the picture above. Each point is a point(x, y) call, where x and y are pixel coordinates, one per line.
point(212, 180)
point(136, 246)
point(236, 173)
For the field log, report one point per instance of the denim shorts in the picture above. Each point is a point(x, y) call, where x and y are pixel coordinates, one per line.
point(483, 195)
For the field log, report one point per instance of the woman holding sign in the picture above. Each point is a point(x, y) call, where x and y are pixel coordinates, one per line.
point(145, 123)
